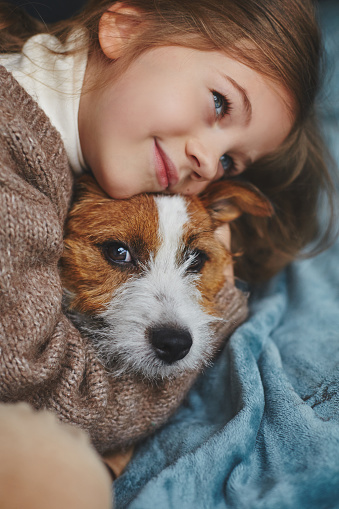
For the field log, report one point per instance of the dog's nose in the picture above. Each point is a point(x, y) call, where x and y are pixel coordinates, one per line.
point(170, 344)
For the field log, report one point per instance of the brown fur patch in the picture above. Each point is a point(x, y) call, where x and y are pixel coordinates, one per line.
point(199, 235)
point(221, 202)
point(95, 219)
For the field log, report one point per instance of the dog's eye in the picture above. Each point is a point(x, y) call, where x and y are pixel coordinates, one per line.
point(116, 252)
point(197, 261)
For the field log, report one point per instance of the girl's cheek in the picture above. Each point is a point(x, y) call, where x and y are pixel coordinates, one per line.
point(177, 114)
point(193, 188)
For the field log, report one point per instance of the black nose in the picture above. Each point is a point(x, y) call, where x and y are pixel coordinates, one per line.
point(170, 344)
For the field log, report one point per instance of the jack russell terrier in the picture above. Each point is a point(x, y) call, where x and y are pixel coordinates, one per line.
point(142, 275)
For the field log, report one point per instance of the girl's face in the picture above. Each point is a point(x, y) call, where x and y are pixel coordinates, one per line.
point(177, 119)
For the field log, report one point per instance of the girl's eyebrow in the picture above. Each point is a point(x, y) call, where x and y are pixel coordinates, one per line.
point(245, 100)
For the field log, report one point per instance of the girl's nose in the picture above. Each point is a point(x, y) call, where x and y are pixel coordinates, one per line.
point(204, 161)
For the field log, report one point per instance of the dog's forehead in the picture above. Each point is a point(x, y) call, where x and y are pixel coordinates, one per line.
point(125, 220)
point(181, 218)
point(172, 216)
point(144, 222)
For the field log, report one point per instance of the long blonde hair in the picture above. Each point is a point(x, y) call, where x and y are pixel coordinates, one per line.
point(279, 39)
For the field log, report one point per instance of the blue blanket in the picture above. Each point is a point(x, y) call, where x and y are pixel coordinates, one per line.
point(261, 428)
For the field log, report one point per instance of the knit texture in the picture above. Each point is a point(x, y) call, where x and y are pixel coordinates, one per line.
point(44, 359)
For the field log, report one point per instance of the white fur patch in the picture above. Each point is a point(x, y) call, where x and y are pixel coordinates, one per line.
point(164, 294)
point(172, 216)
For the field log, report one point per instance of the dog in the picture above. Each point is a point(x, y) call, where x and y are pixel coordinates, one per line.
point(141, 275)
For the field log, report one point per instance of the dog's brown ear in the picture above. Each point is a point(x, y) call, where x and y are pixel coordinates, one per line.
point(227, 200)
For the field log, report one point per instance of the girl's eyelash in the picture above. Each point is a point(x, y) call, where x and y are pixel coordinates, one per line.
point(222, 104)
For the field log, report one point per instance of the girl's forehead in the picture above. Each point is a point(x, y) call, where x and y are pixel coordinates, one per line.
point(228, 70)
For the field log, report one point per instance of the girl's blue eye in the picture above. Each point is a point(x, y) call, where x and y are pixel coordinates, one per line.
point(221, 104)
point(227, 163)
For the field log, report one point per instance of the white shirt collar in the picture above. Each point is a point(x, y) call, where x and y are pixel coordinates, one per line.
point(55, 82)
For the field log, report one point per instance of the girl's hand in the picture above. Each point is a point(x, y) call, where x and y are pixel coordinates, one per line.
point(118, 461)
point(49, 463)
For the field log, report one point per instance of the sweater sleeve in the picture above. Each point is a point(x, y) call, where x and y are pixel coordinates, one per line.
point(44, 360)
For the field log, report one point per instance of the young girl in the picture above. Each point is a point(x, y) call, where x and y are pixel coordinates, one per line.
point(150, 96)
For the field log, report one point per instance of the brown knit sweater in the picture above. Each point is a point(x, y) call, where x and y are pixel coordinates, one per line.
point(43, 358)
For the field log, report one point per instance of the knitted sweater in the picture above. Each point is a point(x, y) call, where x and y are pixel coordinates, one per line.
point(44, 359)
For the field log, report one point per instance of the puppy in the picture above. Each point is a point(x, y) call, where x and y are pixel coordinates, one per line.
point(142, 276)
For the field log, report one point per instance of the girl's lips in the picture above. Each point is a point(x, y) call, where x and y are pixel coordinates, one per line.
point(166, 171)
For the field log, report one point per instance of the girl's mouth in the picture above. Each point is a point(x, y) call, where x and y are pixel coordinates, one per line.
point(167, 174)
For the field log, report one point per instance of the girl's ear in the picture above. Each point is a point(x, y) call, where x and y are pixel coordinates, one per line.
point(116, 28)
point(226, 201)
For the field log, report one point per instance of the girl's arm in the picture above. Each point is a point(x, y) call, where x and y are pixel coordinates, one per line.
point(44, 360)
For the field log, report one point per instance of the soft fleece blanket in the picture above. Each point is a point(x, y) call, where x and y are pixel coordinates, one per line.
point(261, 428)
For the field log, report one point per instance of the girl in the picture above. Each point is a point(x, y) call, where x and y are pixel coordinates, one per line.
point(150, 96)
point(269, 74)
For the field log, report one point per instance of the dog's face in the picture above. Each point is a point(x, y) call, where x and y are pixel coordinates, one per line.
point(141, 275)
